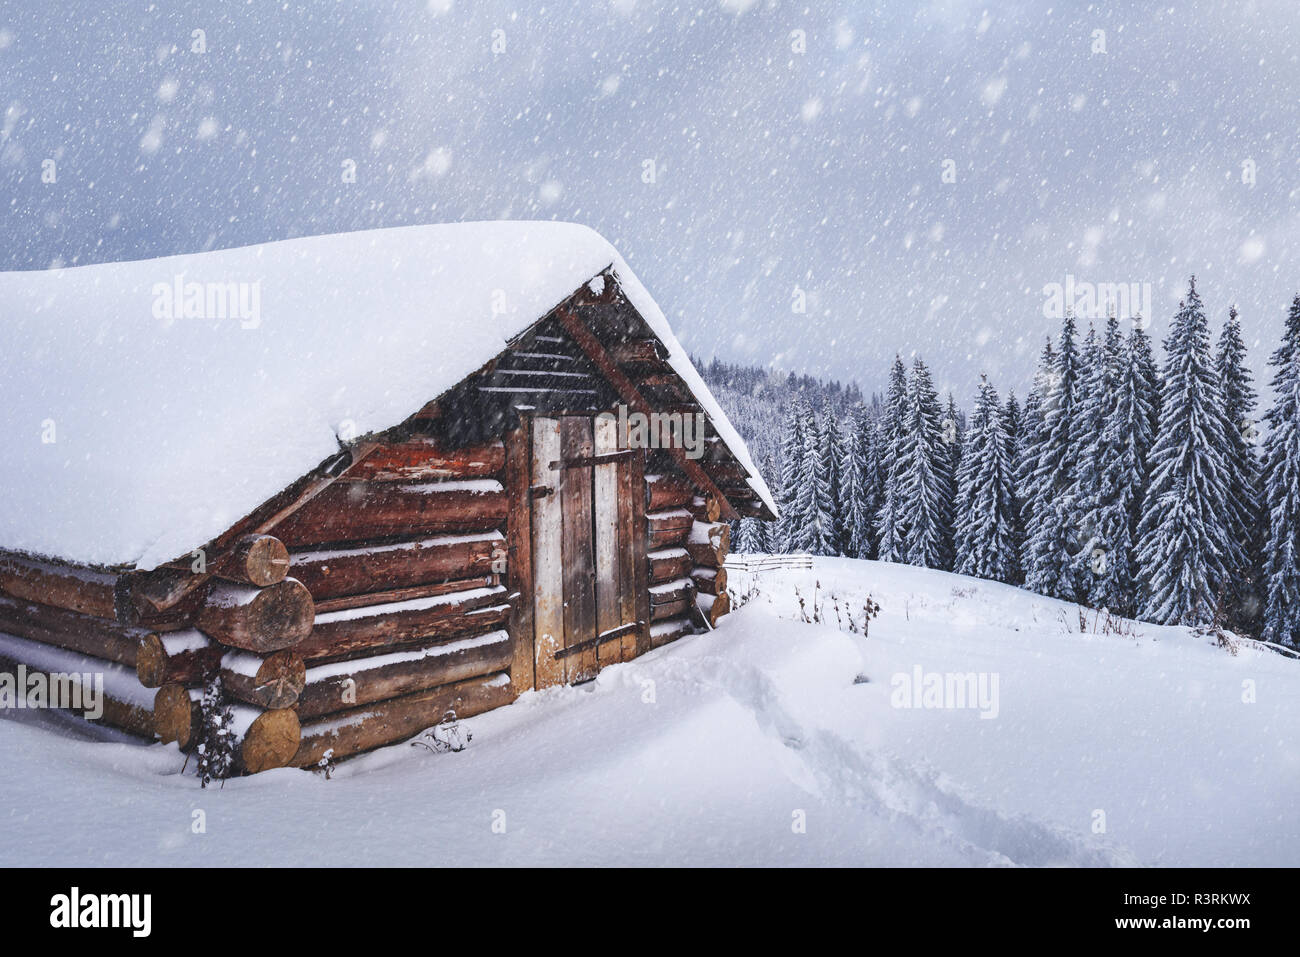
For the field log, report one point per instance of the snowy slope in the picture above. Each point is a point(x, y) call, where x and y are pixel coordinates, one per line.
point(703, 752)
point(139, 434)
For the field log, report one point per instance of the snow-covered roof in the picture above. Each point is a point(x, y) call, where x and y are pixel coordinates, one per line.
point(135, 434)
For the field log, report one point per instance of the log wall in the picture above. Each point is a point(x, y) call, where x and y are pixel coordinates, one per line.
point(390, 596)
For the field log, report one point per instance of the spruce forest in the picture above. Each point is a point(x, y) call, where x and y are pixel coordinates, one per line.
point(1149, 486)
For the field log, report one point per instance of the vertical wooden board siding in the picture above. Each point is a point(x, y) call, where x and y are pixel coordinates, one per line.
point(578, 552)
point(519, 554)
point(605, 489)
point(628, 490)
point(640, 551)
point(548, 564)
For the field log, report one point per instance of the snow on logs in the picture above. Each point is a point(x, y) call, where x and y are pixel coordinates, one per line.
point(421, 460)
point(329, 573)
point(358, 631)
point(708, 544)
point(85, 684)
point(669, 563)
point(342, 685)
point(395, 719)
point(185, 657)
point(258, 619)
point(264, 739)
point(357, 511)
point(71, 631)
point(669, 528)
point(71, 589)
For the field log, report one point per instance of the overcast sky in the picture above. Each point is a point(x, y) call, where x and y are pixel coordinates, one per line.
point(795, 147)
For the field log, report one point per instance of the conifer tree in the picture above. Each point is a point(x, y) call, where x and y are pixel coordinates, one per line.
point(926, 491)
point(830, 467)
point(215, 742)
point(814, 501)
point(1127, 440)
point(1183, 540)
point(984, 533)
point(1014, 420)
point(892, 520)
point(792, 465)
point(954, 433)
point(1282, 489)
point(1033, 435)
point(859, 484)
point(1240, 430)
point(1096, 566)
point(1053, 532)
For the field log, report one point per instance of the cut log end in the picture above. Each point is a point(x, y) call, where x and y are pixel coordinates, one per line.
point(175, 715)
point(151, 660)
point(271, 741)
point(717, 608)
point(280, 679)
point(260, 560)
point(278, 616)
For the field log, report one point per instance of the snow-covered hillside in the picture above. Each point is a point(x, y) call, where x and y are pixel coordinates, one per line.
point(713, 750)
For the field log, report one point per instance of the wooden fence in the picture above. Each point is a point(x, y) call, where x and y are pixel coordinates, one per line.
point(760, 563)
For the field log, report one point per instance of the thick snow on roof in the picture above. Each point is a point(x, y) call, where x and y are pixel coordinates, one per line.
point(137, 431)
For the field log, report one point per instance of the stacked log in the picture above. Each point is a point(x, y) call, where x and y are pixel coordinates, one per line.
point(361, 511)
point(76, 683)
point(677, 542)
point(264, 739)
point(396, 719)
point(359, 619)
point(258, 619)
point(233, 615)
point(669, 528)
point(688, 545)
point(87, 634)
point(404, 559)
point(330, 573)
point(341, 685)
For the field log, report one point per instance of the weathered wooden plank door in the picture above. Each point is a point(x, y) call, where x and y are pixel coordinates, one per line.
point(586, 510)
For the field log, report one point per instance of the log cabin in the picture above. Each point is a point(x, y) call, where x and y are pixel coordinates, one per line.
point(368, 479)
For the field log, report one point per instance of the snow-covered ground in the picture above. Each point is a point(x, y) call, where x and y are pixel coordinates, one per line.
point(714, 749)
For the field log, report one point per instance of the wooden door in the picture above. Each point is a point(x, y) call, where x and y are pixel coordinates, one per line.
point(586, 572)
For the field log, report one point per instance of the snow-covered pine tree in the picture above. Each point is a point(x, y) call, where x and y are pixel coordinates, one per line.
point(792, 463)
point(1240, 430)
point(1282, 489)
point(748, 540)
point(814, 501)
point(954, 433)
point(1183, 539)
point(1052, 534)
point(1127, 438)
point(984, 532)
point(869, 426)
point(1014, 421)
point(830, 464)
point(1033, 437)
point(857, 485)
point(1097, 570)
point(892, 520)
point(1094, 394)
point(1149, 374)
point(215, 747)
point(925, 487)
